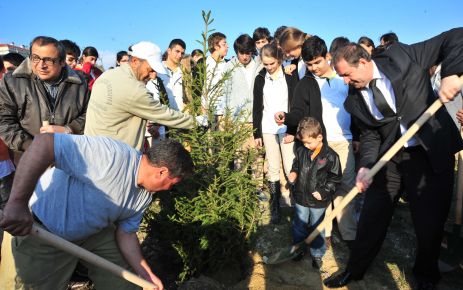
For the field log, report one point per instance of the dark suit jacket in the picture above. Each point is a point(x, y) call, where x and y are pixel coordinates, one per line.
point(407, 66)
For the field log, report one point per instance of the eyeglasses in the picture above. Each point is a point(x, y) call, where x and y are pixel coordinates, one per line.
point(47, 60)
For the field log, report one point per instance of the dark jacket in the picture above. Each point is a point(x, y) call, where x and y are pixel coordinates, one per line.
point(258, 103)
point(406, 66)
point(307, 103)
point(323, 174)
point(25, 103)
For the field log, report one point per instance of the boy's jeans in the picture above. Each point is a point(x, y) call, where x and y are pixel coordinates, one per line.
point(305, 220)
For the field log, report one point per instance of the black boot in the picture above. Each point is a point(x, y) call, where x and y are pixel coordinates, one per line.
point(275, 194)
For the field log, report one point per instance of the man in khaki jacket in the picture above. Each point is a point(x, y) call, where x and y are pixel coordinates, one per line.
point(120, 105)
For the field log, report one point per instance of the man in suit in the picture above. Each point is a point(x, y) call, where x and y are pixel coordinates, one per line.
point(387, 94)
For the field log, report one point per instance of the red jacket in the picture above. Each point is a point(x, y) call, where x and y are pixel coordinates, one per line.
point(92, 72)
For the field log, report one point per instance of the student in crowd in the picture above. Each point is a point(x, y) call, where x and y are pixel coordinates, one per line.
point(173, 78)
point(196, 55)
point(72, 52)
point(89, 58)
point(321, 95)
point(239, 95)
point(273, 91)
point(291, 41)
point(215, 71)
point(314, 186)
point(11, 61)
point(388, 38)
point(122, 57)
point(261, 37)
point(338, 42)
point(366, 43)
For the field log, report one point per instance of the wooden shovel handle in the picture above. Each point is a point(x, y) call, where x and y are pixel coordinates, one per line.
point(87, 256)
point(387, 156)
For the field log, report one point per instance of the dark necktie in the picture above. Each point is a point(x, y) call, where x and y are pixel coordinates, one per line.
point(380, 100)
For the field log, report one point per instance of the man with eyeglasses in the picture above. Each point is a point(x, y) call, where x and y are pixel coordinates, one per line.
point(41, 95)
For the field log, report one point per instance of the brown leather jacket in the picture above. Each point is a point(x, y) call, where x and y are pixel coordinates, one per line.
point(24, 104)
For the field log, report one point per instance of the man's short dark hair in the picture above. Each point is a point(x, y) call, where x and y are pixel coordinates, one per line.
point(244, 44)
point(261, 33)
point(171, 154)
point(14, 58)
point(71, 47)
point(214, 40)
point(351, 53)
point(389, 38)
point(46, 40)
point(312, 48)
point(177, 41)
point(338, 42)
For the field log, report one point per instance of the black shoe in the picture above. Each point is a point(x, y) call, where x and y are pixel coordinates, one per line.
point(425, 285)
point(339, 280)
point(317, 263)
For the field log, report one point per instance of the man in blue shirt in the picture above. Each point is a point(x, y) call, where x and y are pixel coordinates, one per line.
point(108, 181)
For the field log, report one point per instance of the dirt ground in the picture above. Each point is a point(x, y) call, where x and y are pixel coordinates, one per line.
point(390, 270)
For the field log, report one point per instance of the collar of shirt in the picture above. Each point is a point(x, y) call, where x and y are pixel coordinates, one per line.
point(276, 76)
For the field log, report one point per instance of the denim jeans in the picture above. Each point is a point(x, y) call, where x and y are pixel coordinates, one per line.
point(305, 220)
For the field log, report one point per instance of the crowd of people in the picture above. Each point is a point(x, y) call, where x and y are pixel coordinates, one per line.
point(74, 156)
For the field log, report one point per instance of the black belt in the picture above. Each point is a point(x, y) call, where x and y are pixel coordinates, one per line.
point(413, 148)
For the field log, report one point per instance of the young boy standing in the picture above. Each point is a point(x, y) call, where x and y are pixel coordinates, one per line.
point(316, 173)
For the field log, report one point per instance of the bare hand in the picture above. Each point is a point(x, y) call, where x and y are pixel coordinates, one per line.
point(292, 177)
point(288, 139)
point(362, 182)
point(53, 129)
point(258, 142)
point(460, 116)
point(155, 280)
point(317, 195)
point(449, 87)
point(16, 219)
point(290, 68)
point(279, 117)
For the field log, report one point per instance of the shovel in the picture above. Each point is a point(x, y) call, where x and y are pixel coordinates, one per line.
point(87, 256)
point(290, 252)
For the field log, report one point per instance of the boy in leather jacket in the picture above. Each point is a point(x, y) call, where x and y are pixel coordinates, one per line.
point(315, 175)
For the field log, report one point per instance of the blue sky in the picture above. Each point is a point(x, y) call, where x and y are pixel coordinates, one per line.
point(111, 26)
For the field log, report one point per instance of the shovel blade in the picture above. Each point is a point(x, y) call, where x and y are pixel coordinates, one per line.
point(284, 255)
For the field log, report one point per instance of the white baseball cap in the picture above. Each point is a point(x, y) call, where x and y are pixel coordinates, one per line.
point(151, 53)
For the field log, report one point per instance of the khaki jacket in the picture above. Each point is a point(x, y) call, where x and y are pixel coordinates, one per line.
point(120, 107)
